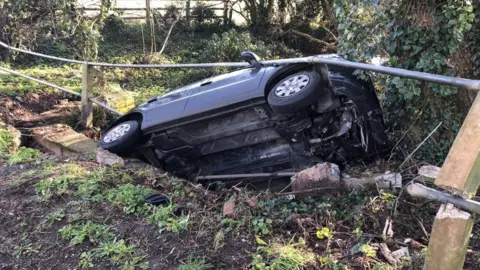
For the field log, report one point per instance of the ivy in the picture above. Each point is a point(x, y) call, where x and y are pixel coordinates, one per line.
point(421, 35)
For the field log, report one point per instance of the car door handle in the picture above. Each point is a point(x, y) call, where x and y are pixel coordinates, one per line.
point(206, 83)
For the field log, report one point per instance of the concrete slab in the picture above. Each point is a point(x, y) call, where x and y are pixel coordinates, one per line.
point(62, 140)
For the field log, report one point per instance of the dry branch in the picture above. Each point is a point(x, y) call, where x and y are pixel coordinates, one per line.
point(316, 40)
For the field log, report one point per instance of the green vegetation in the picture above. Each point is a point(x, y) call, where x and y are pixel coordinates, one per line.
point(164, 217)
point(95, 233)
point(415, 35)
point(118, 252)
point(24, 155)
point(324, 233)
point(5, 140)
point(368, 250)
point(130, 198)
point(262, 225)
point(277, 256)
point(194, 263)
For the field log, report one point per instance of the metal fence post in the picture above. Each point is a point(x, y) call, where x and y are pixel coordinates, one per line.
point(87, 93)
point(460, 173)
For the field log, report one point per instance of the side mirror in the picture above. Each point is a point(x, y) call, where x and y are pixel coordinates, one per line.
point(251, 58)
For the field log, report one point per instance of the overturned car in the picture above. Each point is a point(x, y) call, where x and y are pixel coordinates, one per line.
point(258, 119)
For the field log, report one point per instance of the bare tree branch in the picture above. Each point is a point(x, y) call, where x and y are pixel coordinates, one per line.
point(309, 37)
point(168, 36)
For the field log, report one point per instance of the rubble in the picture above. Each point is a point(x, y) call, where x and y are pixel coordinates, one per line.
point(229, 209)
point(318, 176)
point(327, 176)
point(428, 173)
point(106, 158)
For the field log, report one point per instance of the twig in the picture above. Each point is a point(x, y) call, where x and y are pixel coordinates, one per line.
point(168, 36)
point(418, 147)
point(422, 227)
point(309, 37)
point(403, 136)
point(387, 254)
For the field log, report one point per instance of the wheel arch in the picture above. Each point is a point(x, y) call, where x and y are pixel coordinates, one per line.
point(137, 116)
point(281, 73)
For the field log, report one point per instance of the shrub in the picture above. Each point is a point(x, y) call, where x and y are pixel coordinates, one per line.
point(203, 13)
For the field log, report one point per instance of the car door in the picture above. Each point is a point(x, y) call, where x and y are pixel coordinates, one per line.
point(225, 90)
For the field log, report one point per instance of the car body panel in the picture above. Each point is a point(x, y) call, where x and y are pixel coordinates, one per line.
point(224, 90)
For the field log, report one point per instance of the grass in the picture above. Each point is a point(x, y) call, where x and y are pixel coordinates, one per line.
point(130, 197)
point(95, 233)
point(195, 263)
point(68, 76)
point(5, 140)
point(118, 252)
point(23, 155)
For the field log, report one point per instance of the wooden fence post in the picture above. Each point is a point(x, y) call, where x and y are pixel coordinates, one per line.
point(87, 92)
point(460, 174)
point(187, 10)
point(225, 12)
point(148, 11)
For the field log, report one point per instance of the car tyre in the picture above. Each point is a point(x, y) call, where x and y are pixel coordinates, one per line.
point(295, 92)
point(121, 138)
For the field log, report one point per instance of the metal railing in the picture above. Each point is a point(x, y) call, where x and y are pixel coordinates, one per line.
point(87, 90)
point(459, 172)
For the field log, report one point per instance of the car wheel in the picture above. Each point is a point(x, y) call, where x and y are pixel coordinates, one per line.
point(295, 92)
point(121, 138)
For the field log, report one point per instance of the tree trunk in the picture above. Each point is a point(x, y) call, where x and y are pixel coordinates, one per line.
point(225, 12)
point(187, 10)
point(253, 12)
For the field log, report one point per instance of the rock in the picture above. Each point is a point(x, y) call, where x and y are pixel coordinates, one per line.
point(400, 253)
point(326, 176)
point(318, 176)
point(106, 158)
point(229, 209)
point(428, 173)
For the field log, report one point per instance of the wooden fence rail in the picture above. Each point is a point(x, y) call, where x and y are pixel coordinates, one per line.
point(460, 172)
point(187, 8)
